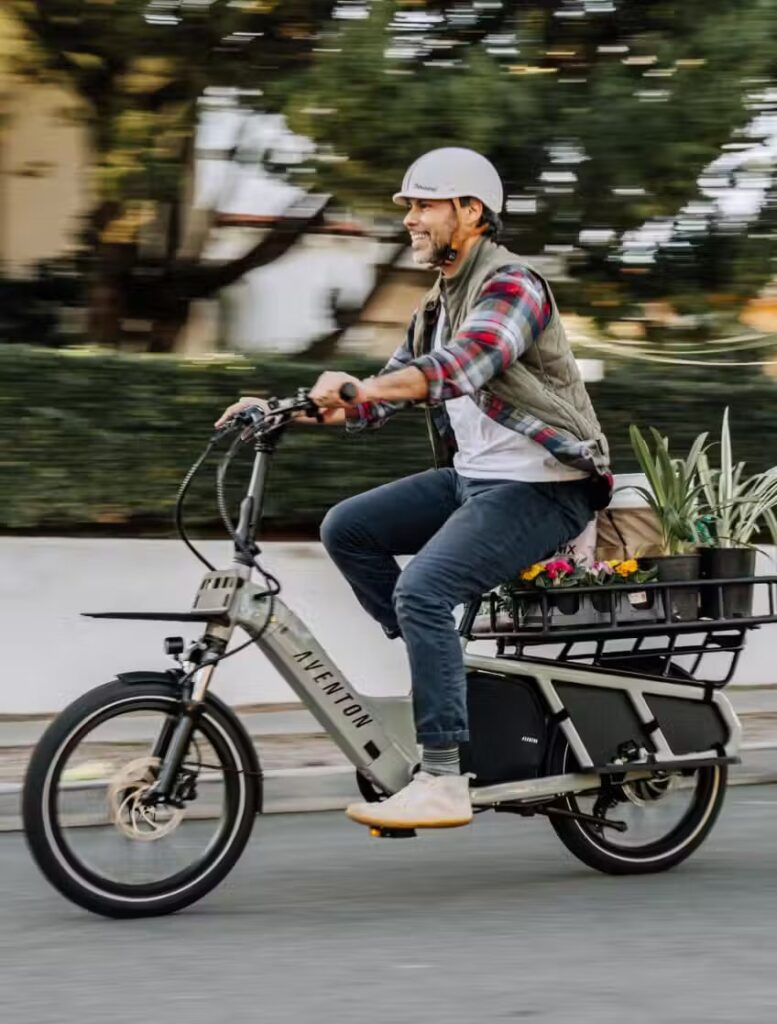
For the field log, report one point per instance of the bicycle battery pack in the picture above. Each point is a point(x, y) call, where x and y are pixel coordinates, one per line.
point(508, 729)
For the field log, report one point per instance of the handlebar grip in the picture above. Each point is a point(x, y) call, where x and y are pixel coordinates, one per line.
point(348, 391)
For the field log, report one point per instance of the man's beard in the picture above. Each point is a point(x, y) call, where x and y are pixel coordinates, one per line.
point(437, 258)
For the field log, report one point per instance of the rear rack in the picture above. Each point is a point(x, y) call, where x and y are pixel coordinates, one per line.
point(625, 627)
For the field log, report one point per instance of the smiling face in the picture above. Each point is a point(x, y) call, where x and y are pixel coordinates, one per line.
point(432, 224)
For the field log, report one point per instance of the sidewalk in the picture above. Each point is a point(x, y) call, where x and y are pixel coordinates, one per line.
point(305, 771)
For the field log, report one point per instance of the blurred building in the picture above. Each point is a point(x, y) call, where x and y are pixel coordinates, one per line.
point(288, 305)
point(44, 163)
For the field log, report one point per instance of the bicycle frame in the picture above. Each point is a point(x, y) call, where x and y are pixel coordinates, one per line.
point(377, 734)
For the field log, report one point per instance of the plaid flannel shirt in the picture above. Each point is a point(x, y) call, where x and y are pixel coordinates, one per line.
point(511, 312)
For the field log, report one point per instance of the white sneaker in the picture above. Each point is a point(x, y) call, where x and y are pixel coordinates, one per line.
point(429, 801)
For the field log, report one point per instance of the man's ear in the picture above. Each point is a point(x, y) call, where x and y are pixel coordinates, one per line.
point(473, 211)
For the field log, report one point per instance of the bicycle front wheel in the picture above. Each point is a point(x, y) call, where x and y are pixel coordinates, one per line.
point(86, 821)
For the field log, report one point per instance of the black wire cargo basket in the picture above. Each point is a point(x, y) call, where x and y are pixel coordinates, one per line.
point(638, 627)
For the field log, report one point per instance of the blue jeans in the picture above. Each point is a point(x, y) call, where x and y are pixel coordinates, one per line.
point(467, 536)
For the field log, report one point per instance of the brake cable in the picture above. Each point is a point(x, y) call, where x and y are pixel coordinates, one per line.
point(271, 582)
point(179, 503)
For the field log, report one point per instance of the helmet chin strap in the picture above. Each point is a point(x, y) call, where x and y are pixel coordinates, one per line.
point(460, 233)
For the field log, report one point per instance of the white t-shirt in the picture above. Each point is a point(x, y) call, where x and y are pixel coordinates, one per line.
point(489, 451)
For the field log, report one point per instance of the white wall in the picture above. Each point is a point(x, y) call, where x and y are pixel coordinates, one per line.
point(51, 654)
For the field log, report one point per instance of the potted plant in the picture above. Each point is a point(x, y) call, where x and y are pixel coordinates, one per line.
point(734, 508)
point(673, 495)
point(614, 571)
point(559, 575)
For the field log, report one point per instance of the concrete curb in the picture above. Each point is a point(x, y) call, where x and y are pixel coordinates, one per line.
point(296, 790)
point(295, 719)
point(331, 787)
point(286, 791)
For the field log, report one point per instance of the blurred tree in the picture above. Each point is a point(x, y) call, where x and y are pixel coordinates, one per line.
point(600, 114)
point(140, 68)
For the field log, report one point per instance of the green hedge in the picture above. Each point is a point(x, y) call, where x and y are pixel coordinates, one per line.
point(102, 440)
point(97, 442)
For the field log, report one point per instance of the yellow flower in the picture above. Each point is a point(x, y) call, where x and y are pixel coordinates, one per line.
point(532, 571)
point(627, 568)
point(613, 562)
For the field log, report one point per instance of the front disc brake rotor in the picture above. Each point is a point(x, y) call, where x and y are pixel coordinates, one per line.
point(129, 813)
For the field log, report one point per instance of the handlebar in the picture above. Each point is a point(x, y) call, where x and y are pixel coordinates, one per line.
point(254, 416)
point(252, 419)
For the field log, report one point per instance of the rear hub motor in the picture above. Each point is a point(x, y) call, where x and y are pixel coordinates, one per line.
point(647, 791)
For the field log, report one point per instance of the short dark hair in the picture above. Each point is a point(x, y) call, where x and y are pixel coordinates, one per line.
point(492, 221)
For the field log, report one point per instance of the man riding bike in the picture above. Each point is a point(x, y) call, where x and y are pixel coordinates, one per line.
point(521, 461)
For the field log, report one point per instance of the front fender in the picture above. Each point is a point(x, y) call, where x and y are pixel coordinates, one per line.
point(171, 678)
point(168, 678)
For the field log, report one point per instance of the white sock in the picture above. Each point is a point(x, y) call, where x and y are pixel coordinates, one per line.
point(441, 760)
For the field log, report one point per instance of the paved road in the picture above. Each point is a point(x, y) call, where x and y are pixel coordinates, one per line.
point(320, 923)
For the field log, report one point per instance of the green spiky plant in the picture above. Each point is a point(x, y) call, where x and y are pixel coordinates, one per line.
point(738, 505)
point(673, 488)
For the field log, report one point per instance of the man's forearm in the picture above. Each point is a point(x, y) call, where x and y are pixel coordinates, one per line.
point(407, 385)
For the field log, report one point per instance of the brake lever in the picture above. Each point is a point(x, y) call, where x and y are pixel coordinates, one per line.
point(251, 416)
point(222, 432)
point(307, 406)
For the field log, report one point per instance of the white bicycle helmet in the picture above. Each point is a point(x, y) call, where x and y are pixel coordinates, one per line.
point(450, 173)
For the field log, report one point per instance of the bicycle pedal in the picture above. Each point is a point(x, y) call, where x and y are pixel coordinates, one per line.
point(391, 833)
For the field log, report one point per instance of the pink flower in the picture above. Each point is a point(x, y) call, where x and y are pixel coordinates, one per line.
point(560, 565)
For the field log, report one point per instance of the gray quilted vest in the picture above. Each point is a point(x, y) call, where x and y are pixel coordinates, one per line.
point(544, 387)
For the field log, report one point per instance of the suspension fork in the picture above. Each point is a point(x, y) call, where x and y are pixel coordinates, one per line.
point(163, 739)
point(175, 735)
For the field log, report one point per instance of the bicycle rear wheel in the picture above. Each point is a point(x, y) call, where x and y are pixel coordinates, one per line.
point(87, 824)
point(668, 816)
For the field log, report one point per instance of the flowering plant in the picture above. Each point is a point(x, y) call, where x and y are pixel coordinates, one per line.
point(564, 570)
point(614, 571)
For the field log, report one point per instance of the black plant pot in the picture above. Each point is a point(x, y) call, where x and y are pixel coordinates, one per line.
point(675, 569)
point(601, 601)
point(641, 606)
point(527, 611)
point(567, 604)
point(734, 601)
